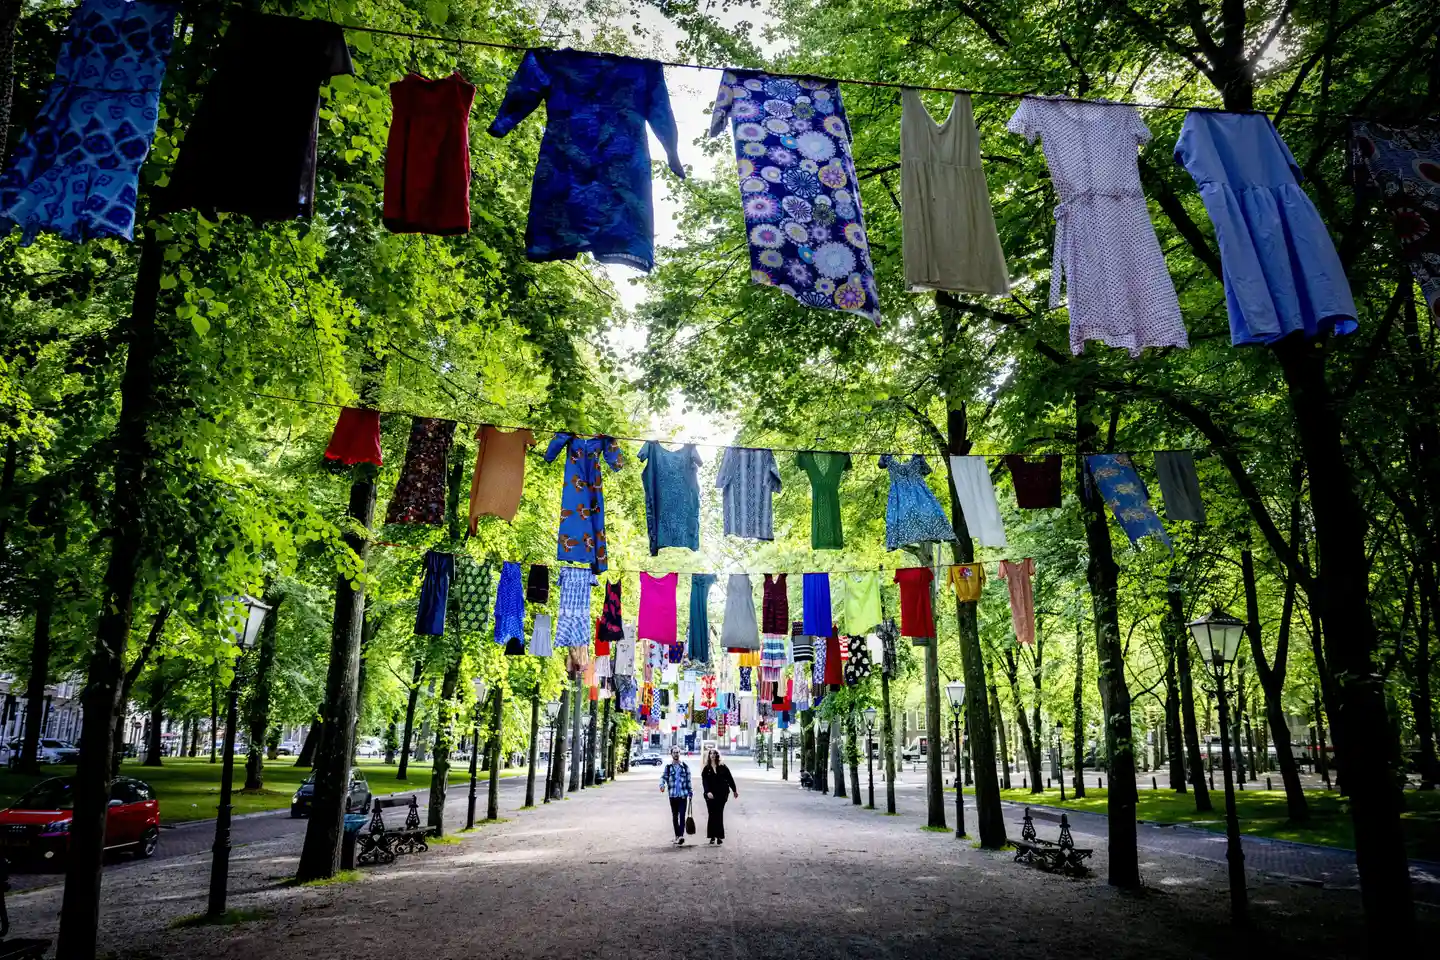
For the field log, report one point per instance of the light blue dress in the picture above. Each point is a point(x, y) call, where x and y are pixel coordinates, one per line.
point(672, 496)
point(1281, 271)
point(912, 514)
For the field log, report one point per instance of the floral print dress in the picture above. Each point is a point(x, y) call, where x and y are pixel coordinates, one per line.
point(798, 189)
point(582, 504)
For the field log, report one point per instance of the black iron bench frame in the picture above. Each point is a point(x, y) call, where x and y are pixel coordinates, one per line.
point(381, 844)
point(1062, 855)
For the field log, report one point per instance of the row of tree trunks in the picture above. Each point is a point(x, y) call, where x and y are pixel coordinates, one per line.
point(1077, 724)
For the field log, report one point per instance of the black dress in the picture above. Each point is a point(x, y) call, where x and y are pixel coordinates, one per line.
point(716, 785)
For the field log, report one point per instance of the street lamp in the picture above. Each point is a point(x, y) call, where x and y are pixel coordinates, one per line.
point(1217, 636)
point(870, 754)
point(481, 688)
point(1060, 757)
point(956, 692)
point(552, 710)
point(244, 638)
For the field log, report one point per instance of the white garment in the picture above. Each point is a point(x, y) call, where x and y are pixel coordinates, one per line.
point(625, 652)
point(741, 631)
point(977, 500)
point(670, 673)
point(603, 668)
point(540, 638)
point(1106, 253)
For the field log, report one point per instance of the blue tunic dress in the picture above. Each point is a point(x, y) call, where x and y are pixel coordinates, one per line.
point(912, 514)
point(672, 496)
point(1281, 271)
point(76, 170)
point(510, 605)
point(592, 180)
point(582, 503)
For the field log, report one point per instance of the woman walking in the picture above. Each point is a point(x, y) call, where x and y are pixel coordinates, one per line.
point(718, 784)
point(675, 780)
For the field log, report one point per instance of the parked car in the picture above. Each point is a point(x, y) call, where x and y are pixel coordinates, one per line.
point(647, 760)
point(358, 800)
point(50, 751)
point(38, 824)
point(287, 748)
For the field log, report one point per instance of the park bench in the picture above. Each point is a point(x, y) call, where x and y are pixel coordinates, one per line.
point(17, 948)
point(1061, 855)
point(381, 844)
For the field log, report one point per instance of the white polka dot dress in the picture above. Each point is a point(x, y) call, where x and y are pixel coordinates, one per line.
point(1107, 256)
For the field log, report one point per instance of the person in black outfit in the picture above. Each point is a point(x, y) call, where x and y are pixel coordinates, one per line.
point(718, 784)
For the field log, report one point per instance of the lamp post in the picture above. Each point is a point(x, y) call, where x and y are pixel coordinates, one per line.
point(956, 692)
point(1060, 757)
point(244, 638)
point(1217, 636)
point(552, 710)
point(870, 754)
point(481, 688)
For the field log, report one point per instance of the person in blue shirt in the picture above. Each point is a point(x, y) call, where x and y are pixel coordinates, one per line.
point(675, 781)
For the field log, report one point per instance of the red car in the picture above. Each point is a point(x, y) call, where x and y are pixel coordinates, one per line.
point(38, 824)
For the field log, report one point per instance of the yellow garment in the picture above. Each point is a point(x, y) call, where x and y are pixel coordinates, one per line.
point(862, 603)
point(750, 658)
point(968, 580)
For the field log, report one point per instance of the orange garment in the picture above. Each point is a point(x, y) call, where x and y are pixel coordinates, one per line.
point(1022, 597)
point(968, 580)
point(499, 473)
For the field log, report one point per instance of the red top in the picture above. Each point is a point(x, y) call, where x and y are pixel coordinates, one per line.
point(834, 665)
point(427, 160)
point(916, 618)
point(356, 438)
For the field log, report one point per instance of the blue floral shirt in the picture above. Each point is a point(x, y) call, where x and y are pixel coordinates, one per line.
point(798, 189)
point(592, 180)
point(676, 778)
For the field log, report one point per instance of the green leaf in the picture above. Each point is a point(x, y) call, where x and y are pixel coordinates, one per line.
point(201, 325)
point(438, 11)
point(168, 282)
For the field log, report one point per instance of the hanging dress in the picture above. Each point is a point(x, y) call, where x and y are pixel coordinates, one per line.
point(612, 624)
point(356, 438)
point(816, 600)
point(912, 514)
point(434, 593)
point(419, 497)
point(697, 638)
point(1107, 257)
point(76, 170)
point(775, 606)
point(917, 618)
point(427, 158)
point(582, 502)
point(473, 582)
point(499, 477)
point(573, 627)
point(1401, 166)
point(1281, 271)
point(749, 480)
point(657, 608)
point(825, 471)
point(540, 640)
point(862, 602)
point(947, 230)
point(739, 631)
point(672, 496)
point(510, 606)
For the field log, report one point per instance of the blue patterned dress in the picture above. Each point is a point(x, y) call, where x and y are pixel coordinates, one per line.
point(77, 169)
point(592, 180)
point(672, 496)
point(582, 503)
point(510, 606)
point(912, 514)
point(798, 188)
point(573, 628)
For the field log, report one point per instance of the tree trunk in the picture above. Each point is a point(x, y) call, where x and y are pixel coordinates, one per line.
point(578, 760)
point(1102, 575)
point(80, 912)
point(887, 742)
point(154, 743)
point(1174, 624)
point(1420, 699)
point(837, 759)
point(258, 707)
point(591, 739)
point(1174, 738)
point(215, 717)
point(1077, 724)
point(556, 787)
point(807, 741)
point(402, 773)
point(444, 744)
point(320, 856)
point(853, 755)
point(308, 749)
point(1322, 758)
point(534, 746)
point(1238, 722)
point(822, 758)
point(37, 681)
point(497, 732)
point(1029, 743)
point(1001, 737)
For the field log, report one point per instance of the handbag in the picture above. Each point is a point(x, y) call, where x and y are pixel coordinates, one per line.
point(689, 818)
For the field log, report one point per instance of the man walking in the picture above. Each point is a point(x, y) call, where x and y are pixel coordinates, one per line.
point(675, 781)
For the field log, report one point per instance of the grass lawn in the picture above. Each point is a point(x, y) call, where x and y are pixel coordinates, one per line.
point(189, 789)
point(1262, 813)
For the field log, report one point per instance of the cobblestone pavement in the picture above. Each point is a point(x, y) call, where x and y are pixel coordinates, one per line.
point(801, 876)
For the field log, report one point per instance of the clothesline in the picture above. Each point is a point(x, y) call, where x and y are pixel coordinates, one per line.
point(852, 81)
point(696, 443)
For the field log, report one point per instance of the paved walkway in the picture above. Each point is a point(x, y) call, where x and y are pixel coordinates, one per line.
point(802, 875)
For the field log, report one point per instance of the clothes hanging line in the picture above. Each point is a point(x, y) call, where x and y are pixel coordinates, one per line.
point(852, 81)
point(705, 443)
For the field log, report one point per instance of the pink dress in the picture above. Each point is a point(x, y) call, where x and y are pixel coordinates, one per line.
point(657, 608)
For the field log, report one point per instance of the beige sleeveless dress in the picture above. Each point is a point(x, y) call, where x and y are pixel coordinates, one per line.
point(948, 228)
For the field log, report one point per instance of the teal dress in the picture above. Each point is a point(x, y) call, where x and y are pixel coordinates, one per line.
point(672, 496)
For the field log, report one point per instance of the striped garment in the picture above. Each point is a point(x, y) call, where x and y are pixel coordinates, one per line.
point(750, 479)
point(802, 648)
point(574, 626)
point(772, 651)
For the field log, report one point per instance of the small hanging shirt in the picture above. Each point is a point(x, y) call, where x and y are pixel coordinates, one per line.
point(499, 476)
point(1022, 597)
point(825, 471)
point(862, 602)
point(912, 514)
point(537, 584)
point(749, 480)
point(427, 157)
point(434, 593)
point(798, 189)
point(802, 646)
point(251, 147)
point(740, 631)
point(1281, 272)
point(582, 501)
point(672, 496)
point(916, 616)
point(1037, 483)
point(1107, 257)
point(356, 438)
point(1180, 485)
point(1402, 165)
point(540, 638)
point(1127, 496)
point(510, 605)
point(419, 497)
point(76, 170)
point(657, 608)
point(592, 187)
point(625, 652)
point(968, 581)
point(971, 478)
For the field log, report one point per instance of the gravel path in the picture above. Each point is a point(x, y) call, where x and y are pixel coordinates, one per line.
point(802, 876)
